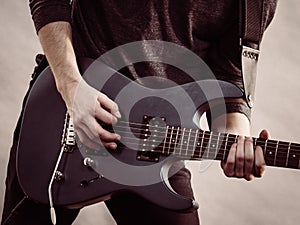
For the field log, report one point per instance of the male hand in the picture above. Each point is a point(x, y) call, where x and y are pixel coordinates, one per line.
point(243, 161)
point(86, 106)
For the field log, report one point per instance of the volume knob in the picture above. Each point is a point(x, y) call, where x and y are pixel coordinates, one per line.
point(88, 162)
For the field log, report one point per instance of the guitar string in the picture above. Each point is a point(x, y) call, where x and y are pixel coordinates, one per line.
point(216, 138)
point(230, 139)
point(193, 131)
point(212, 155)
point(189, 151)
point(205, 142)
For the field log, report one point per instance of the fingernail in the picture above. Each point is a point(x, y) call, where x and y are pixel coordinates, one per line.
point(113, 146)
point(118, 137)
point(118, 114)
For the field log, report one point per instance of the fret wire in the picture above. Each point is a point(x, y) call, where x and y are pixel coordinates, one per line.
point(171, 137)
point(225, 146)
point(177, 134)
point(208, 144)
point(265, 148)
point(276, 153)
point(288, 155)
point(195, 141)
point(182, 138)
point(217, 145)
point(188, 141)
point(201, 146)
point(235, 139)
point(166, 135)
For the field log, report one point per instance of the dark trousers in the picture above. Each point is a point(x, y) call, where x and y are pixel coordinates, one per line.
point(127, 208)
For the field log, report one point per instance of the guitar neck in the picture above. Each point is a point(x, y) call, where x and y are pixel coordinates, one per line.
point(199, 145)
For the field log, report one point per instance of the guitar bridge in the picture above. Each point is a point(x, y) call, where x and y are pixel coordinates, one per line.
point(68, 140)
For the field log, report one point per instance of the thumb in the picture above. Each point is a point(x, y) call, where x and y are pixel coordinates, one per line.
point(264, 134)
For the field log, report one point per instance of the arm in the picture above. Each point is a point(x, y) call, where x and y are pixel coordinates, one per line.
point(82, 101)
point(242, 161)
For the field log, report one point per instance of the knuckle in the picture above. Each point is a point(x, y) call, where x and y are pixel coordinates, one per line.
point(230, 163)
point(229, 173)
point(249, 159)
point(240, 159)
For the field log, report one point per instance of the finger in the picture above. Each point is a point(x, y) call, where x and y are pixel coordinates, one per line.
point(230, 162)
point(88, 129)
point(111, 145)
point(96, 133)
point(110, 105)
point(264, 134)
point(104, 116)
point(86, 141)
point(107, 136)
point(239, 158)
point(249, 159)
point(260, 163)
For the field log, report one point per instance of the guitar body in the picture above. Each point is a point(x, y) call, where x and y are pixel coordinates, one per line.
point(129, 168)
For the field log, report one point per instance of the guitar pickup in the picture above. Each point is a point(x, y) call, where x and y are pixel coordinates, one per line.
point(148, 156)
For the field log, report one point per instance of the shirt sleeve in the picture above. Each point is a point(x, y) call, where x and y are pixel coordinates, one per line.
point(47, 11)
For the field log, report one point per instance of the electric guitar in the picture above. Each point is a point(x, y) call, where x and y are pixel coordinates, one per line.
point(157, 130)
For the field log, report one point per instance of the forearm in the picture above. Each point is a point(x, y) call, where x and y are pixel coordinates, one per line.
point(233, 123)
point(56, 41)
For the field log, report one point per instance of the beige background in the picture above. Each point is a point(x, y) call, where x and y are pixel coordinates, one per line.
point(275, 199)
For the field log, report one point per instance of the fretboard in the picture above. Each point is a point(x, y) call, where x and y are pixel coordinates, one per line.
point(199, 145)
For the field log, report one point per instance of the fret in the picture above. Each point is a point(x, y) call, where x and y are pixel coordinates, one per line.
point(181, 142)
point(221, 146)
point(208, 146)
point(270, 154)
point(235, 138)
point(213, 146)
point(254, 142)
point(265, 148)
point(188, 144)
point(202, 149)
point(217, 146)
point(177, 136)
point(276, 153)
point(225, 148)
point(294, 156)
point(288, 155)
point(281, 154)
point(165, 140)
point(195, 146)
point(232, 138)
point(170, 140)
point(206, 143)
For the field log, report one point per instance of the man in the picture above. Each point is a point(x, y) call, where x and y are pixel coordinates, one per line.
point(209, 29)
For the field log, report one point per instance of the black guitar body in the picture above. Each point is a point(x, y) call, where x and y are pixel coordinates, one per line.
point(129, 168)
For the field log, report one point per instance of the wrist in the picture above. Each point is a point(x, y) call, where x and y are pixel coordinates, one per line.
point(67, 84)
